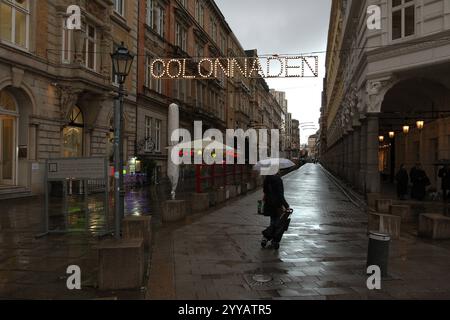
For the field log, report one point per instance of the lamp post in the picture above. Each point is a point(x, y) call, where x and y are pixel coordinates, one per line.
point(122, 60)
point(420, 124)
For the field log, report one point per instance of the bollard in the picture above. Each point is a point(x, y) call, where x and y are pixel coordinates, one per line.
point(378, 251)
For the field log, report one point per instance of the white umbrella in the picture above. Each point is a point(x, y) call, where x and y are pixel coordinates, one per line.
point(204, 143)
point(281, 163)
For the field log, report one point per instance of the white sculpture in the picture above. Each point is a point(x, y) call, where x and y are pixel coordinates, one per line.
point(376, 89)
point(173, 170)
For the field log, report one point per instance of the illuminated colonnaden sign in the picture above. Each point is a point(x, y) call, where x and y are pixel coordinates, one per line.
point(210, 68)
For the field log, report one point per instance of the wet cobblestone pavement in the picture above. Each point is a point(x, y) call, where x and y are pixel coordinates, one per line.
point(322, 256)
point(216, 255)
point(35, 268)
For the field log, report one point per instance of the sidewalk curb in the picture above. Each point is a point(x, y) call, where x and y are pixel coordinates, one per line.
point(355, 198)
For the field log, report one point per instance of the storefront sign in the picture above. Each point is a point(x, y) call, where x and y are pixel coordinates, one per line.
point(76, 168)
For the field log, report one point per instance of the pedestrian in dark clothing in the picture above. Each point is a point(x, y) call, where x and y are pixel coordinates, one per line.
point(420, 181)
point(274, 202)
point(444, 174)
point(402, 182)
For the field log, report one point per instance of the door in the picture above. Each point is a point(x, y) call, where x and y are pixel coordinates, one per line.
point(7, 150)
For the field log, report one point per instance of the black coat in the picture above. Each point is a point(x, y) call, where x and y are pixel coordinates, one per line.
point(420, 181)
point(274, 194)
point(402, 181)
point(444, 174)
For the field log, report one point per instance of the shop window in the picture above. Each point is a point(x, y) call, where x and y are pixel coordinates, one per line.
point(73, 135)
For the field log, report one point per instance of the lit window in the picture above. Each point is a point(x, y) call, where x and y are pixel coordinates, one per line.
point(15, 21)
point(73, 134)
point(403, 18)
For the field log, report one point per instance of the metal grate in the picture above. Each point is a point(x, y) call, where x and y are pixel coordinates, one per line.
point(262, 280)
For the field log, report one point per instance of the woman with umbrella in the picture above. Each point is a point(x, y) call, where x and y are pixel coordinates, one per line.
point(275, 204)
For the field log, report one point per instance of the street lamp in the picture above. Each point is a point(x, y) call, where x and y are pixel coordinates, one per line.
point(122, 60)
point(405, 129)
point(391, 134)
point(381, 139)
point(420, 124)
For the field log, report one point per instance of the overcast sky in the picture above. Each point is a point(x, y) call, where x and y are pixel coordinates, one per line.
point(285, 27)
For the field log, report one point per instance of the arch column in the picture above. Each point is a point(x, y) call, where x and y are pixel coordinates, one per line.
point(356, 156)
point(372, 174)
point(350, 151)
point(344, 158)
point(363, 156)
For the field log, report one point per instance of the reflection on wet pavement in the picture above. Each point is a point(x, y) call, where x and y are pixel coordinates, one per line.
point(216, 255)
point(35, 268)
point(322, 256)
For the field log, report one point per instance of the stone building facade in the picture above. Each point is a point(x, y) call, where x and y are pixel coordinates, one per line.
point(192, 29)
point(381, 86)
point(56, 85)
point(280, 97)
point(57, 90)
point(295, 144)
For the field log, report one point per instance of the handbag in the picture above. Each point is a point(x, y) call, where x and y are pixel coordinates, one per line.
point(261, 207)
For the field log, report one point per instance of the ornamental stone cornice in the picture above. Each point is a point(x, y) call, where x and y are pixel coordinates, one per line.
point(408, 47)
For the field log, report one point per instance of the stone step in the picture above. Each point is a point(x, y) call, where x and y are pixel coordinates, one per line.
point(14, 192)
point(435, 226)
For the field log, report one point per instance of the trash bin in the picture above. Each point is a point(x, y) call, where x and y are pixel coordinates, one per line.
point(378, 251)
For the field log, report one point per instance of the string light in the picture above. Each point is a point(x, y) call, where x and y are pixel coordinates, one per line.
point(268, 66)
point(256, 67)
point(218, 64)
point(152, 69)
point(211, 68)
point(179, 68)
point(287, 67)
point(235, 63)
point(217, 67)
